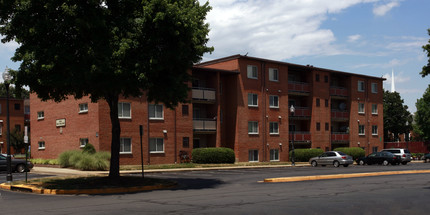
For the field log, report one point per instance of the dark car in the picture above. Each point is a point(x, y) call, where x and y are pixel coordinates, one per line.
point(17, 165)
point(383, 158)
point(427, 158)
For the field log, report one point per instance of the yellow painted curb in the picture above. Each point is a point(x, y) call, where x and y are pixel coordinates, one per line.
point(336, 176)
point(37, 190)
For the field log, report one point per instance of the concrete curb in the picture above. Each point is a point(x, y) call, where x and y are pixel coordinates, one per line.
point(337, 176)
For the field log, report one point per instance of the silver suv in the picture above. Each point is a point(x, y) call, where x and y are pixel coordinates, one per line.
point(404, 154)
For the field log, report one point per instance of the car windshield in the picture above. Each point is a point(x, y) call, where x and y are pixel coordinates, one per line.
point(407, 151)
point(341, 153)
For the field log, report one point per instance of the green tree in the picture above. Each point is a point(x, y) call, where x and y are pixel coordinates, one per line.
point(397, 118)
point(107, 48)
point(422, 116)
point(426, 68)
point(17, 140)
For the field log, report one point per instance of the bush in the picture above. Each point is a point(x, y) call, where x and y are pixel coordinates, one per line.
point(213, 155)
point(303, 155)
point(89, 148)
point(44, 161)
point(65, 158)
point(355, 152)
point(84, 160)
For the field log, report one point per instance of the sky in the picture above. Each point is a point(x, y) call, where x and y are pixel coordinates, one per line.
point(370, 37)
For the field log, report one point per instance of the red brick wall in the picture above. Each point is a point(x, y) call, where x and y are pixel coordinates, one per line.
point(16, 118)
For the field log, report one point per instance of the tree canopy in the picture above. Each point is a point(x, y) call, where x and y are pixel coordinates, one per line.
point(422, 116)
point(426, 48)
point(107, 48)
point(397, 118)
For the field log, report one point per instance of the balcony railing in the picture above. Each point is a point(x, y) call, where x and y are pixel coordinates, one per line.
point(338, 91)
point(339, 136)
point(204, 125)
point(299, 87)
point(300, 136)
point(203, 94)
point(338, 114)
point(302, 112)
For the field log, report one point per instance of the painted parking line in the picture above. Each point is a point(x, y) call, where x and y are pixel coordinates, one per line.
point(337, 176)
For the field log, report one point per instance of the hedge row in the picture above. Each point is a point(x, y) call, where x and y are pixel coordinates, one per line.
point(303, 155)
point(213, 155)
point(87, 159)
point(355, 152)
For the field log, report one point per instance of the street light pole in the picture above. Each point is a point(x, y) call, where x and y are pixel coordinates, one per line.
point(7, 78)
point(292, 110)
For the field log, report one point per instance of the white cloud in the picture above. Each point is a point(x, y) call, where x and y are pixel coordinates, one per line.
point(353, 38)
point(382, 9)
point(8, 47)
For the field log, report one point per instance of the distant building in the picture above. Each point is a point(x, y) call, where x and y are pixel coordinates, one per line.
point(238, 102)
point(16, 110)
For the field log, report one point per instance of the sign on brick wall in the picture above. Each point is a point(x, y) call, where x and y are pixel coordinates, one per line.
point(60, 122)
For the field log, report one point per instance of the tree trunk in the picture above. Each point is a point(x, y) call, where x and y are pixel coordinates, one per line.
point(112, 100)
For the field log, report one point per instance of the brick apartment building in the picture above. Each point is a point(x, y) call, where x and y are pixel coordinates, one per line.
point(238, 102)
point(17, 119)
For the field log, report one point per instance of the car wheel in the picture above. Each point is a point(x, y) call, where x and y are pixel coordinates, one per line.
point(20, 168)
point(314, 163)
point(404, 163)
point(336, 164)
point(427, 160)
point(345, 165)
point(361, 162)
point(385, 163)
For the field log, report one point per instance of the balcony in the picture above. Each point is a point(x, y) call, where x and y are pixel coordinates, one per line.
point(300, 136)
point(339, 92)
point(338, 115)
point(299, 88)
point(302, 112)
point(203, 95)
point(204, 126)
point(339, 137)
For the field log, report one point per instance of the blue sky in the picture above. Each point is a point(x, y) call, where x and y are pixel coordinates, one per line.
point(371, 37)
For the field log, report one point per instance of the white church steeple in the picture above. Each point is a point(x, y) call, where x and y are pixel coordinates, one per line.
point(393, 88)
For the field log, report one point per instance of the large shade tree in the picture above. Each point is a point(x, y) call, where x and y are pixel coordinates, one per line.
point(397, 118)
point(422, 116)
point(426, 68)
point(106, 48)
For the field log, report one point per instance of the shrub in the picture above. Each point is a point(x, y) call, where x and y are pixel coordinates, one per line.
point(84, 160)
point(89, 148)
point(213, 155)
point(65, 158)
point(303, 155)
point(355, 152)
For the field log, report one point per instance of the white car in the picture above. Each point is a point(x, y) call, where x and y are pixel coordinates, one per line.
point(334, 158)
point(404, 154)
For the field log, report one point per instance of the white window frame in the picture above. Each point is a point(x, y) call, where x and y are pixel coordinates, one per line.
point(252, 100)
point(252, 72)
point(121, 110)
point(41, 144)
point(83, 108)
point(361, 87)
point(154, 109)
point(361, 108)
point(374, 130)
point(253, 155)
point(122, 145)
point(361, 130)
point(83, 142)
point(274, 103)
point(375, 109)
point(274, 154)
point(273, 74)
point(374, 87)
point(273, 128)
point(253, 127)
point(40, 115)
point(156, 141)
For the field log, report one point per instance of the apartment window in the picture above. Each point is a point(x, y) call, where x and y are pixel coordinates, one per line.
point(0, 108)
point(41, 144)
point(318, 102)
point(185, 142)
point(317, 77)
point(360, 129)
point(360, 107)
point(83, 142)
point(184, 110)
point(252, 72)
point(83, 108)
point(252, 100)
point(17, 106)
point(273, 74)
point(374, 88)
point(274, 154)
point(326, 103)
point(125, 145)
point(26, 109)
point(274, 128)
point(40, 115)
point(156, 145)
point(326, 79)
point(318, 126)
point(18, 128)
point(273, 101)
point(375, 149)
point(124, 110)
point(252, 127)
point(156, 111)
point(1, 128)
point(327, 126)
point(360, 86)
point(374, 109)
point(374, 130)
point(253, 155)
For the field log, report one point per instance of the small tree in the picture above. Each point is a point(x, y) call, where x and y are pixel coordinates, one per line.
point(397, 118)
point(426, 68)
point(17, 140)
point(422, 116)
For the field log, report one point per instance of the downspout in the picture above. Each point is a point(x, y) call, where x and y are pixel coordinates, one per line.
point(263, 85)
point(147, 125)
point(175, 141)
